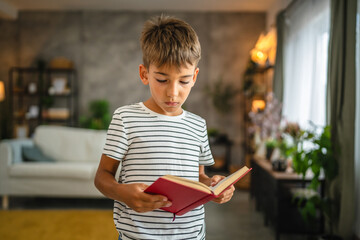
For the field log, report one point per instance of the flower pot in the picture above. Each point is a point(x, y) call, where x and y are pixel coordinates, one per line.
point(279, 165)
point(269, 151)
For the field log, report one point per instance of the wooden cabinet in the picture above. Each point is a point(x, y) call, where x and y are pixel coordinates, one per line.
point(42, 96)
point(221, 150)
point(272, 192)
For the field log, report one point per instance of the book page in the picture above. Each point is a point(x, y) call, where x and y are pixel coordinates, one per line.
point(187, 182)
point(226, 182)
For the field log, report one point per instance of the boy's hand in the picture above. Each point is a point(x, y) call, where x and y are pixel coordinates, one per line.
point(133, 195)
point(227, 194)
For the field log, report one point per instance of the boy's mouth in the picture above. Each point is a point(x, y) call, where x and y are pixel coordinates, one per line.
point(172, 104)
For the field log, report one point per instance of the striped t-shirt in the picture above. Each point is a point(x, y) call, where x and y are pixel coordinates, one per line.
point(150, 145)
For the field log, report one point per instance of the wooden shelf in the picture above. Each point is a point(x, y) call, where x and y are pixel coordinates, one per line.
point(21, 100)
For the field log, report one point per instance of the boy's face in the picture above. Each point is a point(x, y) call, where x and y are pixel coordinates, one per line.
point(169, 87)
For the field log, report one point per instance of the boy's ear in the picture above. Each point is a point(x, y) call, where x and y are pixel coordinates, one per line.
point(195, 75)
point(143, 72)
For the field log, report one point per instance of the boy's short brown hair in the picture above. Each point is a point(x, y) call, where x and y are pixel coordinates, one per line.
point(169, 41)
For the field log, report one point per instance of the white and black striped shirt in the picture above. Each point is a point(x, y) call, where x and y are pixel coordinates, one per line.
point(150, 145)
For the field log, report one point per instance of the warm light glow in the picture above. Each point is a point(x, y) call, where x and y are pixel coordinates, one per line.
point(258, 105)
point(260, 54)
point(2, 91)
point(265, 48)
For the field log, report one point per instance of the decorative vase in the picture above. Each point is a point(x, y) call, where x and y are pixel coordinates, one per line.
point(279, 165)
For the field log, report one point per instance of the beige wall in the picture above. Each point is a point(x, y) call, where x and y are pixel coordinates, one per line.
point(277, 6)
point(104, 46)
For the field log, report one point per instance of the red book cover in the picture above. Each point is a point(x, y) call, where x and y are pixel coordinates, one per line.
point(186, 194)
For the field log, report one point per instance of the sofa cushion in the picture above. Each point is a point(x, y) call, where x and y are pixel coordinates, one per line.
point(34, 154)
point(44, 170)
point(68, 144)
point(16, 148)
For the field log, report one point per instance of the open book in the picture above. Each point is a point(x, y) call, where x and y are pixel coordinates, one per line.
point(186, 194)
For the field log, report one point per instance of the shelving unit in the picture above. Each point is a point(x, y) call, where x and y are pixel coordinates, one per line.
point(261, 78)
point(221, 150)
point(42, 96)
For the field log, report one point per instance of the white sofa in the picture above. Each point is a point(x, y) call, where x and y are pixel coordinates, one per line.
point(75, 152)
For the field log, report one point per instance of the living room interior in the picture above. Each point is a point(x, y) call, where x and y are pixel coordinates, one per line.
point(279, 87)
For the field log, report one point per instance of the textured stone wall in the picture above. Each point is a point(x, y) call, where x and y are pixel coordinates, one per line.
point(104, 46)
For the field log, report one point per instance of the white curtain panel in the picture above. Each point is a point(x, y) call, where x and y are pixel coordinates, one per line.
point(305, 62)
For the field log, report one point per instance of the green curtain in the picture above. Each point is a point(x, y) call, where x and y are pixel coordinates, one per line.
point(278, 81)
point(341, 106)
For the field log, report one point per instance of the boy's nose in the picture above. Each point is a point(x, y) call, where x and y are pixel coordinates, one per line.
point(172, 90)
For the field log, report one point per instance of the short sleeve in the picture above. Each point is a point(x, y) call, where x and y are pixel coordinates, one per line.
point(206, 157)
point(116, 145)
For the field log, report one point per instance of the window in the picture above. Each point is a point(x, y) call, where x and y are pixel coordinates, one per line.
point(305, 62)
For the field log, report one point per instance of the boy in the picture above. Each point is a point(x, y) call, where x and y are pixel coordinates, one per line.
point(157, 137)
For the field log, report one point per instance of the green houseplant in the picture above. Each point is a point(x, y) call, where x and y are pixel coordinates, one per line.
point(270, 145)
point(320, 159)
point(99, 118)
point(222, 95)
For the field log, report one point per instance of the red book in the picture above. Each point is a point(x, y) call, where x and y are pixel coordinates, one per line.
point(186, 194)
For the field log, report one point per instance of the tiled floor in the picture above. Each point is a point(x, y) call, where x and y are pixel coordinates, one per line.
point(238, 220)
point(235, 220)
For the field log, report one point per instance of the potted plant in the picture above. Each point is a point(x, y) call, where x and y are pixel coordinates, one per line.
point(222, 95)
point(270, 145)
point(319, 158)
point(99, 118)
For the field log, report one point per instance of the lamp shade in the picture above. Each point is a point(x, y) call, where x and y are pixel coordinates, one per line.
point(2, 91)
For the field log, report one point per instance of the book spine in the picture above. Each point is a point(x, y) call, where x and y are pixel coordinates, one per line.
point(198, 203)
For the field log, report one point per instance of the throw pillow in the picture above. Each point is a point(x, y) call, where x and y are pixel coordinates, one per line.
point(34, 154)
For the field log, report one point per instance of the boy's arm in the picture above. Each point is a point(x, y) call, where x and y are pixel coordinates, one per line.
point(203, 177)
point(226, 195)
point(131, 194)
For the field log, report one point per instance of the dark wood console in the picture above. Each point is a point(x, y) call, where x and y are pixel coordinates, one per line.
point(271, 192)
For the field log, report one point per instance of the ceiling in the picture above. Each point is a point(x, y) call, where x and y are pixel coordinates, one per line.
point(140, 5)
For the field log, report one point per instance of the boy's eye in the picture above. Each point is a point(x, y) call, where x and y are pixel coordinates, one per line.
point(184, 82)
point(160, 81)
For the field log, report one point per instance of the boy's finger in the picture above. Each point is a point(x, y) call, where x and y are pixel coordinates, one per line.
point(161, 201)
point(215, 179)
point(153, 198)
point(218, 200)
point(231, 189)
point(162, 204)
point(156, 203)
point(143, 186)
point(159, 198)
